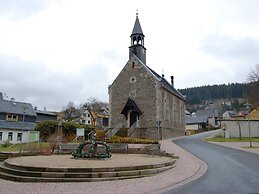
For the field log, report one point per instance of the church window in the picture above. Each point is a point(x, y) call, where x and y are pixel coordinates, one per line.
point(139, 40)
point(133, 79)
point(133, 65)
point(134, 40)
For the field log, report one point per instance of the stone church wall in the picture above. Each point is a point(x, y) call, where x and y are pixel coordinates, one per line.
point(136, 83)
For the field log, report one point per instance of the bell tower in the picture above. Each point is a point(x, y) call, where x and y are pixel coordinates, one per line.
point(137, 42)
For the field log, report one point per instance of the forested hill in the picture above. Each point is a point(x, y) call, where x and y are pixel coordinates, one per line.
point(197, 95)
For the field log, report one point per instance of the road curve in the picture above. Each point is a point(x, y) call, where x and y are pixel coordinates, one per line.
point(229, 170)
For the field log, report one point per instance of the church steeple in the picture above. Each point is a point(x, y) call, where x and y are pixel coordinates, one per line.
point(137, 42)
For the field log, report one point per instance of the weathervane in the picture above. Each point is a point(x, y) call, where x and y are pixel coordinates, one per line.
point(137, 12)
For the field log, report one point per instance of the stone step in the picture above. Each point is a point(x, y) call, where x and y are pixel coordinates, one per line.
point(3, 156)
point(75, 170)
point(32, 176)
point(16, 178)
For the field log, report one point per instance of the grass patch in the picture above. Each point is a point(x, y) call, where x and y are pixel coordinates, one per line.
point(253, 147)
point(222, 139)
point(33, 146)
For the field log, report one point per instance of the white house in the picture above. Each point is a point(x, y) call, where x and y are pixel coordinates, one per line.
point(17, 121)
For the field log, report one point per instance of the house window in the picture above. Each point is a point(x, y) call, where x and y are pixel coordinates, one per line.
point(88, 115)
point(1, 136)
point(10, 117)
point(19, 136)
point(84, 115)
point(89, 122)
point(10, 136)
point(83, 121)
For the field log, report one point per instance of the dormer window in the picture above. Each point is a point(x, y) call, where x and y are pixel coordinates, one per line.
point(11, 117)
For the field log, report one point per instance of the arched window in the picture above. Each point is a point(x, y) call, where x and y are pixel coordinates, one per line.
point(139, 40)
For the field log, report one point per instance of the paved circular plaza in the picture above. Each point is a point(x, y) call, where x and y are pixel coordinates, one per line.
point(67, 161)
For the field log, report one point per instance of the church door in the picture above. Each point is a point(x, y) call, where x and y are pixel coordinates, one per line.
point(133, 117)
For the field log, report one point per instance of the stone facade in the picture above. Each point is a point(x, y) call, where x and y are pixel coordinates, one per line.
point(141, 96)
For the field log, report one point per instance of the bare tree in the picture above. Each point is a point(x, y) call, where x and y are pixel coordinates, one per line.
point(93, 104)
point(71, 112)
point(254, 74)
point(253, 93)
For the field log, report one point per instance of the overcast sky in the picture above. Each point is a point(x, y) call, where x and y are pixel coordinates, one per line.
point(56, 51)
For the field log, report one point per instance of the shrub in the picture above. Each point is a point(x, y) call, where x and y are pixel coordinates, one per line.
point(6, 144)
point(100, 135)
point(116, 139)
point(46, 128)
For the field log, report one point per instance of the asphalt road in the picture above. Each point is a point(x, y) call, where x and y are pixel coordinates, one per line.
point(229, 170)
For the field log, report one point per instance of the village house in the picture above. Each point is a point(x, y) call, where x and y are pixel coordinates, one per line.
point(196, 124)
point(212, 114)
point(17, 122)
point(44, 115)
point(98, 119)
point(240, 126)
point(141, 100)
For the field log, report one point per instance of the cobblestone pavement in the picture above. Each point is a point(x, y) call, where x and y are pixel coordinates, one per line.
point(64, 161)
point(188, 168)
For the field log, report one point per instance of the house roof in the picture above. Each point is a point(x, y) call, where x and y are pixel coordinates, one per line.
point(27, 126)
point(187, 112)
point(45, 112)
point(231, 113)
point(161, 79)
point(196, 120)
point(207, 112)
point(254, 114)
point(130, 104)
point(14, 107)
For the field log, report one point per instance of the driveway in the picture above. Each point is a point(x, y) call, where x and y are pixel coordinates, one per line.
point(229, 170)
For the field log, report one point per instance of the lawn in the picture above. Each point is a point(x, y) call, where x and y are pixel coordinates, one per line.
point(31, 147)
point(222, 139)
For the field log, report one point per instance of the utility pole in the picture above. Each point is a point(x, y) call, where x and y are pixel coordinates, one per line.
point(23, 118)
point(249, 129)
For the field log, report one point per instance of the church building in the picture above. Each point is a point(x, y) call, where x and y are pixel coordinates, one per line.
point(143, 101)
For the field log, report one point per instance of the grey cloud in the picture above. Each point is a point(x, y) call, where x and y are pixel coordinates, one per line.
point(235, 57)
point(18, 9)
point(33, 82)
point(227, 47)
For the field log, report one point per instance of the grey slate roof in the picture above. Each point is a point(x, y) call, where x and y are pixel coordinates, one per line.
point(207, 112)
point(130, 104)
point(45, 112)
point(7, 106)
point(27, 126)
point(137, 28)
point(164, 82)
point(196, 120)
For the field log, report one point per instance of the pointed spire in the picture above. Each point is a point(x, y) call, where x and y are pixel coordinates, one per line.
point(137, 28)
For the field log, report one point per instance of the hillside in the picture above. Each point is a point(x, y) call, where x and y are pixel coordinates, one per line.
point(198, 95)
